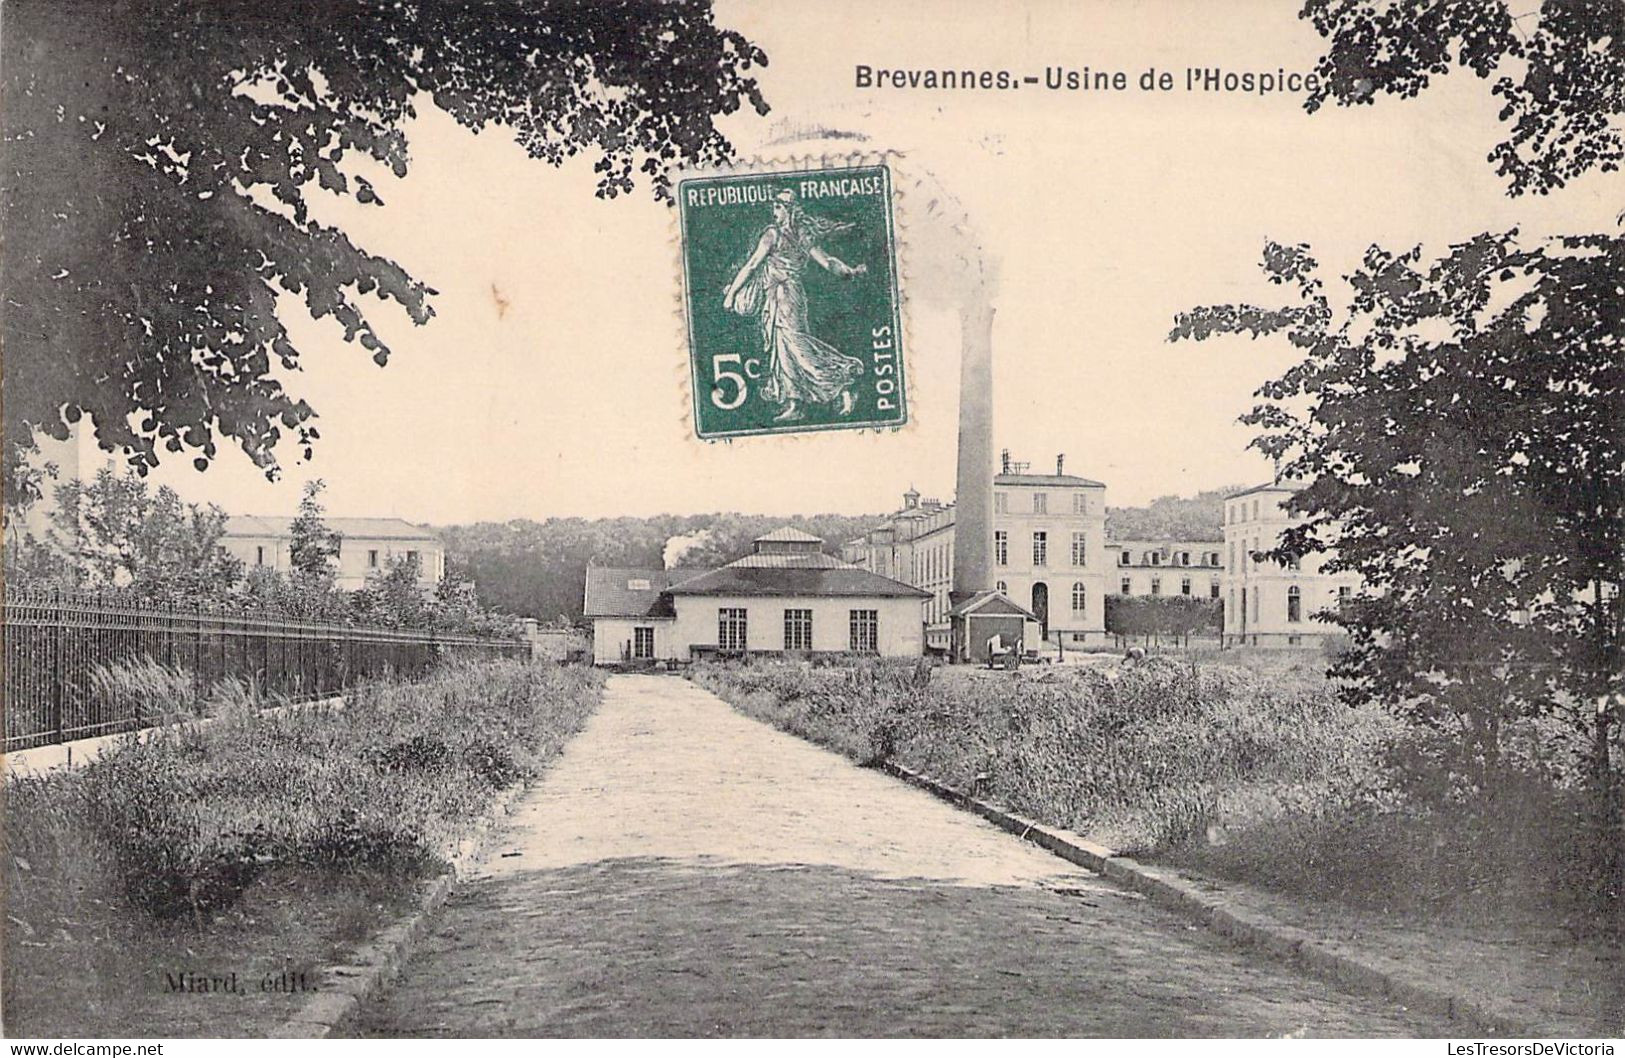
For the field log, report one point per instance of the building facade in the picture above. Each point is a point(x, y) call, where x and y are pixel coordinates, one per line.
point(786, 597)
point(366, 546)
point(1268, 603)
point(1049, 552)
point(1193, 568)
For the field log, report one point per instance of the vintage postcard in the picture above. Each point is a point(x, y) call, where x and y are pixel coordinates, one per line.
point(762, 519)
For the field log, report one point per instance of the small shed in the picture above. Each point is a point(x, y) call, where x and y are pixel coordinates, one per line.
point(979, 618)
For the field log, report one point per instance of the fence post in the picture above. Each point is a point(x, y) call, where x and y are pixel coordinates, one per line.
point(58, 668)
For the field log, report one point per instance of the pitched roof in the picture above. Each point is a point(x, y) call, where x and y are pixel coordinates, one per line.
point(1271, 486)
point(835, 579)
point(991, 602)
point(1059, 480)
point(790, 560)
point(274, 525)
point(789, 534)
point(619, 591)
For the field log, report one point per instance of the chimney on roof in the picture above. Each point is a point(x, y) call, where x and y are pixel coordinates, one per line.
point(1004, 461)
point(1060, 464)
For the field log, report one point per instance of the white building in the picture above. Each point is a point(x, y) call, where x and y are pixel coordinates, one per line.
point(1049, 552)
point(786, 597)
point(1194, 568)
point(366, 546)
point(1267, 603)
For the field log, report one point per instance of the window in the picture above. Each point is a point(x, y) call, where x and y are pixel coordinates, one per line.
point(1079, 597)
point(798, 629)
point(1080, 549)
point(1080, 503)
point(1153, 558)
point(866, 630)
point(1156, 585)
point(1255, 510)
point(1184, 558)
point(412, 557)
point(1343, 592)
point(372, 559)
point(1213, 590)
point(1232, 554)
point(1001, 502)
point(1040, 503)
point(1257, 597)
point(1184, 585)
point(1040, 549)
point(259, 555)
point(1001, 547)
point(643, 642)
point(731, 629)
point(1294, 604)
point(1125, 559)
point(1003, 587)
point(1126, 587)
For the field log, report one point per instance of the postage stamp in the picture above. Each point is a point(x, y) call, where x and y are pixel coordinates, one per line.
point(791, 293)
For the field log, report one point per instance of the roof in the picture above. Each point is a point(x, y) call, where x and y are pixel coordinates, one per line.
point(790, 560)
point(618, 591)
point(831, 578)
point(991, 602)
point(1271, 486)
point(1057, 480)
point(788, 534)
point(351, 528)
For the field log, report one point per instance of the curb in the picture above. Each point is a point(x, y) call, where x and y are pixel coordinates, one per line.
point(62, 754)
point(374, 964)
point(1322, 959)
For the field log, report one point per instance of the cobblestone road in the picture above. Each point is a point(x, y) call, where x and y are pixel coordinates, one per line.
point(686, 871)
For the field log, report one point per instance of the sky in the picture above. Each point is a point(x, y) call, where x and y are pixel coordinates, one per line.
point(552, 380)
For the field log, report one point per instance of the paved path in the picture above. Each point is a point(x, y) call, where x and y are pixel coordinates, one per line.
point(686, 871)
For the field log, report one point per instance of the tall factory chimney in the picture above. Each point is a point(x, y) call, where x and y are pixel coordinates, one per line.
point(1060, 464)
point(973, 504)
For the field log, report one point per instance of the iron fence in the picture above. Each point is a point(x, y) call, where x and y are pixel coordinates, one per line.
point(55, 641)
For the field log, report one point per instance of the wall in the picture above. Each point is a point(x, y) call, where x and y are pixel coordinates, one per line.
point(1255, 522)
point(900, 624)
point(613, 635)
point(1058, 522)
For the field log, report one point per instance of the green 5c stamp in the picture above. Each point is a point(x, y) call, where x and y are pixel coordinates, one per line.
point(790, 283)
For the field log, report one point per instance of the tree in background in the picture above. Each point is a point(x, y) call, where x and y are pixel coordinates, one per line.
point(1198, 517)
point(1150, 617)
point(144, 141)
point(118, 532)
point(312, 546)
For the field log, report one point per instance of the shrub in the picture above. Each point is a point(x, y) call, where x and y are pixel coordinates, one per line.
point(190, 816)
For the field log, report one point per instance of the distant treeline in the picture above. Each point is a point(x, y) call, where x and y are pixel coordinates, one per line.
point(538, 569)
point(1198, 517)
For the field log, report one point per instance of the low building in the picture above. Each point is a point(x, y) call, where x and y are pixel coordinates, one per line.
point(786, 597)
point(1167, 567)
point(366, 546)
point(1269, 603)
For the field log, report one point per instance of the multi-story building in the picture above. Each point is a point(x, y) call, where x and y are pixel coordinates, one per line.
point(1166, 567)
point(366, 546)
point(1269, 603)
point(1049, 551)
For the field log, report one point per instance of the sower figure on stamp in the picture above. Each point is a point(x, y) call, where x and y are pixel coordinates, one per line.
point(801, 368)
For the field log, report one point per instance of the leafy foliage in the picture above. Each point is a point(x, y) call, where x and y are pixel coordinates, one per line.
point(1153, 616)
point(162, 157)
point(117, 532)
point(1563, 90)
point(312, 546)
point(1198, 517)
point(539, 569)
point(1462, 427)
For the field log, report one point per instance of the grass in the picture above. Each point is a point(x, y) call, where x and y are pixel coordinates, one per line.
point(1237, 764)
point(262, 845)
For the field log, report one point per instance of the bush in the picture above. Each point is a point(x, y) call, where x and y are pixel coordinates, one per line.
point(1144, 757)
point(190, 816)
